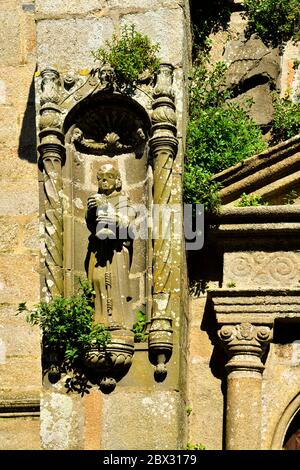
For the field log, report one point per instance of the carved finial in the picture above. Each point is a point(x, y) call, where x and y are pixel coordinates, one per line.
point(107, 384)
point(50, 86)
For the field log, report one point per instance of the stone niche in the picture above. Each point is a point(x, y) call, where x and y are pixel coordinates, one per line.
point(105, 131)
point(106, 156)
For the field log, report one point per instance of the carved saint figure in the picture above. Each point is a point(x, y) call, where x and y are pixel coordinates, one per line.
point(109, 249)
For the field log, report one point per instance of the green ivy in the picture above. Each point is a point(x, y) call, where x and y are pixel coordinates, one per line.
point(275, 21)
point(220, 133)
point(130, 55)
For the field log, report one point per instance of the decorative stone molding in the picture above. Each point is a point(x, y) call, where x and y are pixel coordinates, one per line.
point(52, 153)
point(163, 146)
point(245, 344)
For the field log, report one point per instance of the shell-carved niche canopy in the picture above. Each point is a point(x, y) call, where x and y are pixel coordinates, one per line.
point(109, 124)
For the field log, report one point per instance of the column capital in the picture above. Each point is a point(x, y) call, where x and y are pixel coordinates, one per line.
point(245, 344)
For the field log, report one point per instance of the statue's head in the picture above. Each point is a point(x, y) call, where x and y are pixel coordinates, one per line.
point(109, 179)
point(77, 135)
point(106, 75)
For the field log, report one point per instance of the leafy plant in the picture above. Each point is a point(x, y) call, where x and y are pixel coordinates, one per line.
point(251, 200)
point(275, 21)
point(208, 16)
point(189, 410)
point(220, 133)
point(290, 197)
point(139, 328)
point(191, 446)
point(68, 328)
point(286, 118)
point(231, 284)
point(130, 55)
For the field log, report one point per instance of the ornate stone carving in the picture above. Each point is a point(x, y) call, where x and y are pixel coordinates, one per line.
point(111, 142)
point(281, 269)
point(52, 152)
point(109, 366)
point(108, 219)
point(109, 257)
point(50, 86)
point(245, 344)
point(163, 145)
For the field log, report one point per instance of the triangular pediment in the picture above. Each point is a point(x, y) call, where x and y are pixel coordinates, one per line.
point(274, 175)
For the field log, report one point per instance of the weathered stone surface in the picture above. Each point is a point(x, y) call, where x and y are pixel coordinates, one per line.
point(9, 38)
point(14, 168)
point(21, 377)
point(21, 433)
point(60, 7)
point(204, 419)
point(15, 85)
point(62, 419)
point(3, 94)
point(32, 235)
point(258, 269)
point(165, 27)
point(18, 202)
point(136, 169)
point(269, 174)
point(152, 411)
point(147, 4)
point(20, 340)
point(253, 72)
point(93, 415)
point(8, 127)
point(280, 390)
point(57, 49)
point(262, 108)
point(251, 58)
point(19, 279)
point(9, 234)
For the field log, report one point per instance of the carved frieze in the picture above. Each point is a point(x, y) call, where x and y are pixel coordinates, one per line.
point(257, 268)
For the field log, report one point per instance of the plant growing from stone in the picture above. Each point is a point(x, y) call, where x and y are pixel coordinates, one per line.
point(286, 118)
point(131, 55)
point(68, 329)
point(251, 200)
point(275, 21)
point(139, 327)
point(194, 446)
point(220, 133)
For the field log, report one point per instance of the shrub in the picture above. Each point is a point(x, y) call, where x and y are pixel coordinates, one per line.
point(275, 21)
point(220, 133)
point(68, 329)
point(130, 55)
point(286, 118)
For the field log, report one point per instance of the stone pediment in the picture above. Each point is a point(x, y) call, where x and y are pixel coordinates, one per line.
point(272, 175)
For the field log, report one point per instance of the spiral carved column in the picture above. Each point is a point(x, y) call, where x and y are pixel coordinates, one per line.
point(52, 153)
point(245, 344)
point(163, 146)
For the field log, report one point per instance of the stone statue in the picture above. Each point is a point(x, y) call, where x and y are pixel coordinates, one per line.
point(108, 219)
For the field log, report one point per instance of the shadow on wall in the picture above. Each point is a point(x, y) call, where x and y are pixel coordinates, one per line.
point(27, 142)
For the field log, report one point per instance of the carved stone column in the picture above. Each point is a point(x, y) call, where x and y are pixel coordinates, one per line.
point(163, 146)
point(245, 344)
point(52, 153)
